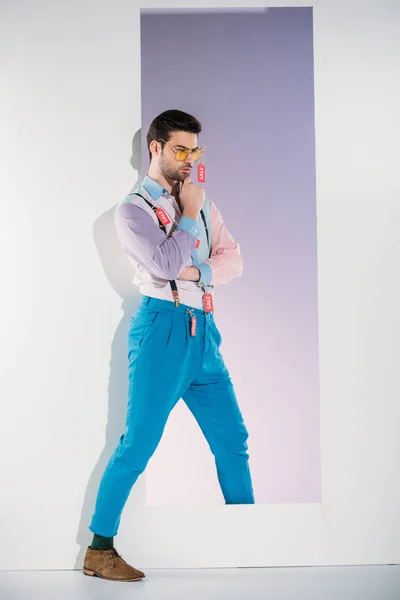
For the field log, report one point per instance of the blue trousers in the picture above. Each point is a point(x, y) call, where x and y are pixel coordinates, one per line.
point(166, 363)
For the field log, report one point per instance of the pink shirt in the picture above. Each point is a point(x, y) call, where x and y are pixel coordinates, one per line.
point(225, 261)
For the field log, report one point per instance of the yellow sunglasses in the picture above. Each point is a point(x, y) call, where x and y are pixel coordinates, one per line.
point(182, 155)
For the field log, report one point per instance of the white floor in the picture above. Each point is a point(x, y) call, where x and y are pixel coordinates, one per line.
point(307, 583)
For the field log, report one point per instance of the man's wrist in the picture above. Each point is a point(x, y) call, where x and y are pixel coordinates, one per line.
point(194, 274)
point(190, 225)
point(190, 274)
point(206, 274)
point(192, 214)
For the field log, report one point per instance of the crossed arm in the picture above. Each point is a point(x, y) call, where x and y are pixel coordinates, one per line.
point(166, 256)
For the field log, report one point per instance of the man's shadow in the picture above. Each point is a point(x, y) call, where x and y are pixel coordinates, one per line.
point(119, 272)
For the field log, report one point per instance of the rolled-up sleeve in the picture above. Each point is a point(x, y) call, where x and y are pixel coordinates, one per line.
point(143, 240)
point(225, 262)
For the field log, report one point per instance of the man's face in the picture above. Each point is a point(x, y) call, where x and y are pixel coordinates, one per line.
point(169, 166)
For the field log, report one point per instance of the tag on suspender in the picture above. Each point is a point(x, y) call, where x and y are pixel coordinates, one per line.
point(208, 303)
point(163, 217)
point(207, 300)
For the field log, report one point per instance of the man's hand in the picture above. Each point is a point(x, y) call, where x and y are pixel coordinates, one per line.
point(190, 274)
point(192, 197)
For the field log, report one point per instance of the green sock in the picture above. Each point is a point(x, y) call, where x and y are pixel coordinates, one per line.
point(102, 543)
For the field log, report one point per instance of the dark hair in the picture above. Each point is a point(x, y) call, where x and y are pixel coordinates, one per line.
point(168, 122)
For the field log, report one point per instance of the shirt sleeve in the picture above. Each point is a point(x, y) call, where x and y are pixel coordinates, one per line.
point(226, 261)
point(143, 240)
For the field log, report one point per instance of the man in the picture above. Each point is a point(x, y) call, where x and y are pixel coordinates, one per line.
point(181, 249)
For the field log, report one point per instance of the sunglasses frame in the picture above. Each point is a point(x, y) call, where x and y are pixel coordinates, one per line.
point(187, 151)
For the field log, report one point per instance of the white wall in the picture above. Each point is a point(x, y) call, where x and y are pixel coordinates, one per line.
point(70, 111)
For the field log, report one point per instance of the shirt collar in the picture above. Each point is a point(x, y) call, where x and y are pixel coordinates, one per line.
point(153, 188)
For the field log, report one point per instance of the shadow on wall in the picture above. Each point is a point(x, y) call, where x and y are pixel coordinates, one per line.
point(119, 272)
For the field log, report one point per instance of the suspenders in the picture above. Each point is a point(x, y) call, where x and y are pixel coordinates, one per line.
point(174, 287)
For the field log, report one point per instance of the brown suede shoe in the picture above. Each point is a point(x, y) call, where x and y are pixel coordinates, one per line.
point(108, 564)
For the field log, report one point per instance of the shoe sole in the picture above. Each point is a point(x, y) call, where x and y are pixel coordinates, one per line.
point(94, 574)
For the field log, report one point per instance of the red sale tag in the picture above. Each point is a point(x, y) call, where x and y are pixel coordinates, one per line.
point(197, 243)
point(162, 215)
point(193, 328)
point(201, 173)
point(208, 303)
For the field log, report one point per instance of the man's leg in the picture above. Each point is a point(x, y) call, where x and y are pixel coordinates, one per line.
point(160, 369)
point(162, 362)
point(212, 400)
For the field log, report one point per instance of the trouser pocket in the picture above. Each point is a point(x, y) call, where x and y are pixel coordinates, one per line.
point(141, 326)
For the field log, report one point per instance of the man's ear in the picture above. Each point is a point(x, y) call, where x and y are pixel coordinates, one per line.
point(155, 148)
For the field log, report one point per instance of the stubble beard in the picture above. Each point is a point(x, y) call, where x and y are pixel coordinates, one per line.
point(168, 171)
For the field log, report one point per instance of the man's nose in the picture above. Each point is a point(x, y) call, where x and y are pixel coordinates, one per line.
point(189, 160)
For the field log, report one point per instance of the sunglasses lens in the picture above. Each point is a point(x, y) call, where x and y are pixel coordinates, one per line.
point(196, 155)
point(182, 155)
